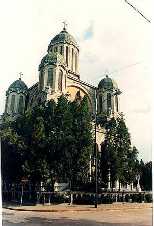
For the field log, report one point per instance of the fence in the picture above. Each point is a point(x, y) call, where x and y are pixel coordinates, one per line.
point(39, 195)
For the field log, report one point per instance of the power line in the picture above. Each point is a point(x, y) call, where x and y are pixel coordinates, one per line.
point(123, 68)
point(137, 11)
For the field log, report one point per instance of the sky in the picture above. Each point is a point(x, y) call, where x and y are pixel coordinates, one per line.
point(113, 39)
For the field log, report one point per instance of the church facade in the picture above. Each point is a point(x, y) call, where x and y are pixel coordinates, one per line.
point(59, 74)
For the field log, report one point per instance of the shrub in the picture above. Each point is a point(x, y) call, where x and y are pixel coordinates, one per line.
point(148, 198)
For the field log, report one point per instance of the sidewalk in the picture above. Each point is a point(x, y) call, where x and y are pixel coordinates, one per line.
point(66, 207)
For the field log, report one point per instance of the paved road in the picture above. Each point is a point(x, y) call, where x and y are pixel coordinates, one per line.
point(134, 217)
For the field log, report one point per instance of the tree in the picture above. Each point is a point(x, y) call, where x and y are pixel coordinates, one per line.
point(11, 154)
point(64, 139)
point(74, 139)
point(82, 130)
point(146, 176)
point(27, 135)
point(51, 142)
point(117, 152)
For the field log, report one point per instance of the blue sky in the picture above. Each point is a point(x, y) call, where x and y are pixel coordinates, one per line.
point(88, 34)
point(111, 36)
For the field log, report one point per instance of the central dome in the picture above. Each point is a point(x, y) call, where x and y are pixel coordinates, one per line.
point(63, 37)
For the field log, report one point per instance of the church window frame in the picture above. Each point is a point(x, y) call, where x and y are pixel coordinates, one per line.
point(55, 49)
point(72, 59)
point(100, 103)
point(21, 104)
point(67, 55)
point(60, 80)
point(50, 77)
point(75, 61)
point(109, 101)
point(65, 81)
point(42, 79)
point(116, 103)
point(12, 105)
point(61, 50)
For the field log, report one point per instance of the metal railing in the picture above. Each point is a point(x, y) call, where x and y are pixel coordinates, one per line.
point(39, 195)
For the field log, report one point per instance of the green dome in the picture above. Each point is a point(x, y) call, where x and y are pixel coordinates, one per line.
point(63, 37)
point(18, 86)
point(51, 58)
point(107, 84)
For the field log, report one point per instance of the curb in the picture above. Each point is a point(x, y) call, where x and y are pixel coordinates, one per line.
point(51, 210)
point(79, 210)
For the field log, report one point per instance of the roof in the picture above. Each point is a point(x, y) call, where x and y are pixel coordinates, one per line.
point(63, 37)
point(51, 58)
point(18, 86)
point(107, 84)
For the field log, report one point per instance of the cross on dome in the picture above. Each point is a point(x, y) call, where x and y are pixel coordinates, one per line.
point(20, 75)
point(65, 25)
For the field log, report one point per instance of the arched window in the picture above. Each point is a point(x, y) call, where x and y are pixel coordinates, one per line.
point(60, 80)
point(21, 105)
point(50, 77)
point(108, 100)
point(100, 103)
point(65, 81)
point(55, 49)
point(12, 107)
point(61, 50)
point(67, 55)
point(116, 102)
point(72, 59)
point(41, 79)
point(75, 61)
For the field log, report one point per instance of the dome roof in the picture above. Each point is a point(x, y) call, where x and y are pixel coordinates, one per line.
point(51, 58)
point(63, 37)
point(18, 86)
point(107, 84)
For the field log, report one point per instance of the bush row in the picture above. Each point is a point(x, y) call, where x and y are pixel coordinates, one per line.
point(78, 198)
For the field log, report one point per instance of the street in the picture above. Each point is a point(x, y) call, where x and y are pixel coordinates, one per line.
point(130, 217)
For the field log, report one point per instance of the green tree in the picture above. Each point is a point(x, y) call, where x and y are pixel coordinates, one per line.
point(52, 141)
point(27, 135)
point(117, 152)
point(64, 139)
point(82, 131)
point(11, 154)
point(146, 176)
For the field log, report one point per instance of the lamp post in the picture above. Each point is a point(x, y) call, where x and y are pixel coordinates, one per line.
point(117, 92)
point(138, 188)
point(95, 152)
point(109, 180)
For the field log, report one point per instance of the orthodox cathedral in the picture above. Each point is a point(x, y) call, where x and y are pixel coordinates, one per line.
point(59, 74)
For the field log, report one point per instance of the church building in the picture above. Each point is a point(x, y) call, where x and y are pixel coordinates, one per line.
point(58, 73)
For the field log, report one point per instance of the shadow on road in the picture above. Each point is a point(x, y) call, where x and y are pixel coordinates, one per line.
point(39, 221)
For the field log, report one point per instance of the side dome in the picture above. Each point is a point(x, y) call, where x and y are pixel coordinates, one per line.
point(63, 37)
point(18, 86)
point(107, 84)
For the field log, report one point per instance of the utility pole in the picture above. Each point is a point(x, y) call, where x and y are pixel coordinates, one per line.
point(95, 152)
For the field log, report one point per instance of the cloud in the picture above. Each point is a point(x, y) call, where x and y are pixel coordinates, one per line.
point(88, 34)
point(143, 110)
